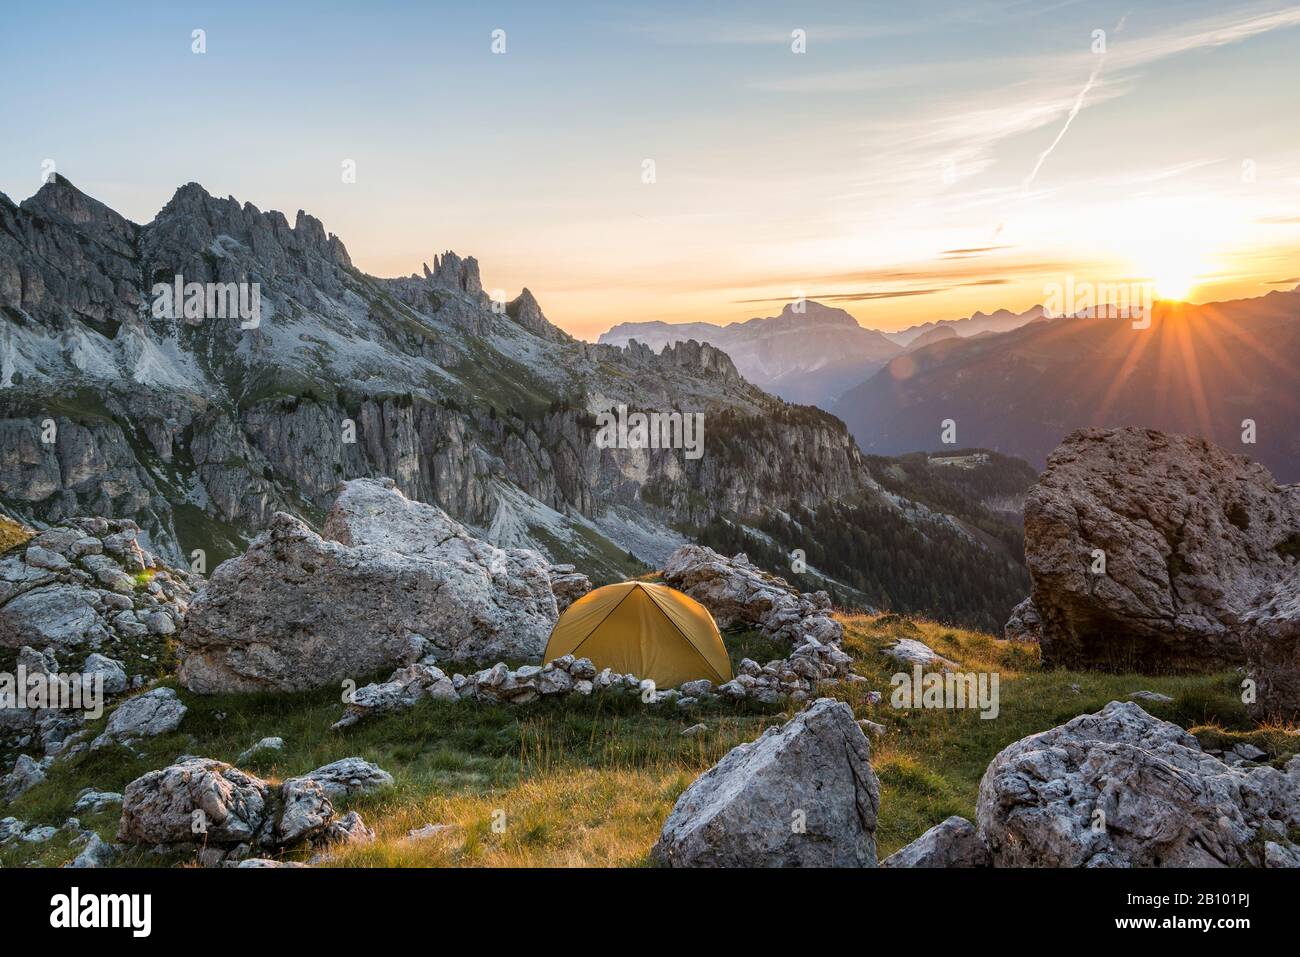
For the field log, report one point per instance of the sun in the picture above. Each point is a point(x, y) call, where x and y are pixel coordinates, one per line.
point(1173, 281)
point(1174, 269)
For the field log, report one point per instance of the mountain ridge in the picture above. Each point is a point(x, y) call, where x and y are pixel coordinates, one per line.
point(811, 353)
point(200, 429)
point(1226, 371)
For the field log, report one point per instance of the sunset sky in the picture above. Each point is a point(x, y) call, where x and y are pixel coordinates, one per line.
point(917, 162)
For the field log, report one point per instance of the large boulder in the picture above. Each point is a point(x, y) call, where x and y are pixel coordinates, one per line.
point(298, 611)
point(803, 795)
point(1190, 537)
point(1120, 788)
point(1272, 642)
point(197, 800)
point(739, 594)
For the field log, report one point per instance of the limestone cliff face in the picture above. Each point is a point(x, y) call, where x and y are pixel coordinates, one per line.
point(201, 428)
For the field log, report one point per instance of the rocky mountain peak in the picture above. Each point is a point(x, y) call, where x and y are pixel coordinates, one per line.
point(195, 219)
point(703, 357)
point(455, 273)
point(525, 310)
point(59, 199)
point(810, 312)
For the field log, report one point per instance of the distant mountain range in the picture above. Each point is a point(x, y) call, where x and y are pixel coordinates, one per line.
point(1202, 370)
point(1019, 382)
point(978, 323)
point(811, 353)
point(807, 356)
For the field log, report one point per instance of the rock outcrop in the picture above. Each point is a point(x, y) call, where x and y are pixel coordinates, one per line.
point(199, 801)
point(1025, 624)
point(738, 593)
point(400, 581)
point(191, 800)
point(568, 585)
point(1149, 550)
point(87, 585)
point(803, 795)
point(1120, 788)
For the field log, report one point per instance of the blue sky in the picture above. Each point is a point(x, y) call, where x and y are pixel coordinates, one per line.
point(905, 131)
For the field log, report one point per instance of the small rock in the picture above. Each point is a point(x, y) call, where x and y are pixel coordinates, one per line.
point(349, 829)
point(1249, 752)
point(39, 835)
point(97, 853)
point(428, 831)
point(350, 776)
point(912, 652)
point(39, 557)
point(1154, 697)
point(90, 801)
point(114, 672)
point(258, 862)
point(697, 688)
point(11, 828)
point(27, 773)
point(266, 744)
point(305, 811)
point(144, 716)
point(952, 843)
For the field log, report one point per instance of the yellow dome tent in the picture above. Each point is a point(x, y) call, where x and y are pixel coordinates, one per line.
point(651, 631)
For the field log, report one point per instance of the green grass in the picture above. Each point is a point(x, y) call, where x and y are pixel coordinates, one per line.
point(590, 781)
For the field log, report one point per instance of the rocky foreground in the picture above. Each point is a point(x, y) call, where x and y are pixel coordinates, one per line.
point(389, 582)
point(392, 583)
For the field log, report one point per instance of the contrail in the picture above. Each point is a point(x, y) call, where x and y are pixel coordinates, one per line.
point(1074, 111)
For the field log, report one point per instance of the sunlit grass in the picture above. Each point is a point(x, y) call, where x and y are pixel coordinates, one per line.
point(12, 533)
point(589, 781)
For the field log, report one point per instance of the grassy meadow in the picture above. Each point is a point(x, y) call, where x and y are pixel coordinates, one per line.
point(588, 782)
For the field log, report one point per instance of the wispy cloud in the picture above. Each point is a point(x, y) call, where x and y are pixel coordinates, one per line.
point(971, 252)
